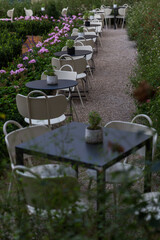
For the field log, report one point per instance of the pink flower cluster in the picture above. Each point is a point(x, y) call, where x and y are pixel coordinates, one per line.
point(2, 71)
point(43, 50)
point(17, 71)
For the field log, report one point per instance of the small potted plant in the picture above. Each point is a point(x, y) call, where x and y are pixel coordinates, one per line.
point(52, 78)
point(86, 18)
point(70, 47)
point(80, 32)
point(94, 133)
point(114, 4)
point(91, 17)
point(43, 7)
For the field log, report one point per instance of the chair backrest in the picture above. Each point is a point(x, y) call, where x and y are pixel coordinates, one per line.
point(78, 43)
point(78, 64)
point(22, 135)
point(55, 62)
point(41, 108)
point(57, 192)
point(64, 12)
point(10, 13)
point(28, 12)
point(88, 48)
point(68, 75)
point(107, 11)
point(135, 127)
point(86, 42)
point(122, 11)
point(9, 122)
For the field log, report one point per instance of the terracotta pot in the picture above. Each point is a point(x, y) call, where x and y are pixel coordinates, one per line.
point(52, 80)
point(93, 136)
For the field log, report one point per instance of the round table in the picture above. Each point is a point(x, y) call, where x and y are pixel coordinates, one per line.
point(42, 85)
point(85, 36)
point(62, 84)
point(77, 53)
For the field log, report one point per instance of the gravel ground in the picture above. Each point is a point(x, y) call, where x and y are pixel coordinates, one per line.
point(111, 85)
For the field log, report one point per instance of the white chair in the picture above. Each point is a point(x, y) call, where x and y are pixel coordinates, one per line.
point(133, 172)
point(108, 16)
point(50, 194)
point(79, 66)
point(122, 15)
point(64, 12)
point(10, 14)
point(89, 57)
point(69, 75)
point(28, 12)
point(23, 135)
point(42, 110)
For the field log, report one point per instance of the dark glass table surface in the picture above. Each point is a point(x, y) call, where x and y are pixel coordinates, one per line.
point(85, 36)
point(77, 53)
point(42, 84)
point(68, 143)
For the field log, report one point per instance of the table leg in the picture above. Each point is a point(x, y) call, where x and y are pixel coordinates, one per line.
point(148, 161)
point(114, 18)
point(100, 203)
point(19, 157)
point(70, 104)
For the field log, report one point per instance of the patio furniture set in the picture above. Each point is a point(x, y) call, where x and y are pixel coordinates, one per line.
point(66, 145)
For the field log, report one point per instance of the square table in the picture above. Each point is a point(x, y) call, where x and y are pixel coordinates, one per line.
point(67, 144)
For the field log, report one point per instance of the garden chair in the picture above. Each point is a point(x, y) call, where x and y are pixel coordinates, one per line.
point(63, 73)
point(23, 135)
point(66, 74)
point(89, 57)
point(64, 12)
point(42, 110)
point(50, 194)
point(10, 14)
point(28, 12)
point(133, 172)
point(122, 15)
point(79, 66)
point(108, 16)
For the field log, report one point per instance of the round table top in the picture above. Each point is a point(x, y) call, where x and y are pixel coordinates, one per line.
point(85, 36)
point(93, 25)
point(42, 84)
point(77, 53)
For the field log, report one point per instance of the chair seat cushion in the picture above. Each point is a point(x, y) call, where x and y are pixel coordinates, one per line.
point(81, 75)
point(45, 122)
point(52, 170)
point(118, 173)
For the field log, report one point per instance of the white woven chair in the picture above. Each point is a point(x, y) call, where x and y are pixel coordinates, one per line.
point(28, 12)
point(133, 172)
point(45, 110)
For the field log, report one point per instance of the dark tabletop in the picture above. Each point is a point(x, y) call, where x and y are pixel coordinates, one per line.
point(85, 36)
point(77, 53)
point(68, 143)
point(42, 84)
point(93, 25)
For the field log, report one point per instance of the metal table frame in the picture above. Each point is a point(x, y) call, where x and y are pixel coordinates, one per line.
point(74, 150)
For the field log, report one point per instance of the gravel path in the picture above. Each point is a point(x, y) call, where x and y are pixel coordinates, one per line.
point(111, 85)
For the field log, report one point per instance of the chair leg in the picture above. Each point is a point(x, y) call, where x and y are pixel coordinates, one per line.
point(79, 95)
point(75, 111)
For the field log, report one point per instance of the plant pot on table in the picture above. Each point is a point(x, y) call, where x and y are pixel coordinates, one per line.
point(71, 51)
point(93, 136)
point(87, 23)
point(52, 80)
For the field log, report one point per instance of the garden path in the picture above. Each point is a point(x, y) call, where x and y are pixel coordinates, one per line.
point(111, 88)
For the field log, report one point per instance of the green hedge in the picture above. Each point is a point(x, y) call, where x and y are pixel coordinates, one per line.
point(143, 27)
point(10, 47)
